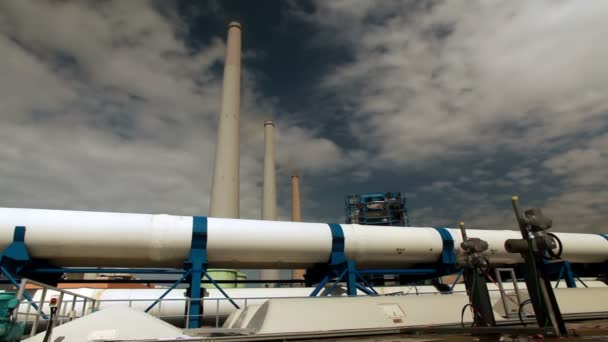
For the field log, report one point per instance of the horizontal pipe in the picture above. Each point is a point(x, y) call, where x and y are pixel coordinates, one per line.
point(101, 239)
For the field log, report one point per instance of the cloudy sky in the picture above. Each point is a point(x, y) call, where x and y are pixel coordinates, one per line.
point(112, 105)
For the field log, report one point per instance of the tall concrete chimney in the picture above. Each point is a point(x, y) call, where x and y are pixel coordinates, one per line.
point(225, 185)
point(296, 215)
point(296, 211)
point(269, 191)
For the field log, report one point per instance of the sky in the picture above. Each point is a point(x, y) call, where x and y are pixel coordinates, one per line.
point(112, 106)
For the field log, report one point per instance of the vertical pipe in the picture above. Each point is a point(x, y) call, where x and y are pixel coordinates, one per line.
point(296, 216)
point(225, 185)
point(269, 191)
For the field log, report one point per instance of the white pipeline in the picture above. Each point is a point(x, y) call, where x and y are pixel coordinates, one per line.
point(98, 239)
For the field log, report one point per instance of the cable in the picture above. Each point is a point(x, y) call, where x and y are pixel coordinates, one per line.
point(478, 318)
point(464, 308)
point(519, 311)
point(560, 246)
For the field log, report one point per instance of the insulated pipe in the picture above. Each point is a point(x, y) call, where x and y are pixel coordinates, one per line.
point(225, 184)
point(98, 239)
point(269, 192)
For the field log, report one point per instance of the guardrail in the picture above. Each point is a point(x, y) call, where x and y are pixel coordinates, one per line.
point(72, 305)
point(63, 314)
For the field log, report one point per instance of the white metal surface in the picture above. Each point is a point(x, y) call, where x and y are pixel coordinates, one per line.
point(216, 307)
point(289, 315)
point(583, 247)
point(225, 185)
point(115, 323)
point(172, 308)
point(96, 239)
point(391, 246)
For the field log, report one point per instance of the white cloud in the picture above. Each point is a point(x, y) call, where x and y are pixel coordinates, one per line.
point(458, 78)
point(103, 106)
point(445, 81)
point(582, 205)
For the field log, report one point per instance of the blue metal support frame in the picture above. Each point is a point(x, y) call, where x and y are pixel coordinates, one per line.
point(563, 268)
point(196, 268)
point(14, 258)
point(195, 264)
point(340, 268)
point(456, 280)
point(447, 262)
point(171, 288)
point(569, 275)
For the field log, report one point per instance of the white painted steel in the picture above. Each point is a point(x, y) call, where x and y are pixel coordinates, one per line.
point(290, 315)
point(172, 308)
point(82, 238)
point(584, 247)
point(225, 184)
point(391, 246)
point(95, 239)
point(267, 244)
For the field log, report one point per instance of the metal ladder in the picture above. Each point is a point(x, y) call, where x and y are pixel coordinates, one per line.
point(509, 311)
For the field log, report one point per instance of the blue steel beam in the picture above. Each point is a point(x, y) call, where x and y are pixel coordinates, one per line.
point(168, 290)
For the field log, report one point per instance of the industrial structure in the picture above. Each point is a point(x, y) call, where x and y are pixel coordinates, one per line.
point(225, 184)
point(269, 192)
point(38, 246)
point(296, 216)
point(43, 244)
point(378, 209)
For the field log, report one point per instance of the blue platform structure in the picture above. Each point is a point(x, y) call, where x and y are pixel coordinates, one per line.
point(378, 209)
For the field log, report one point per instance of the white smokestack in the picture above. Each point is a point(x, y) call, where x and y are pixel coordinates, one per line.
point(225, 185)
point(269, 190)
point(296, 216)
